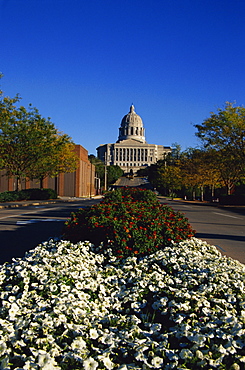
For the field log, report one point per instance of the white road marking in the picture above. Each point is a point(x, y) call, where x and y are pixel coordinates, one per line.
point(26, 213)
point(35, 220)
point(220, 248)
point(2, 218)
point(223, 214)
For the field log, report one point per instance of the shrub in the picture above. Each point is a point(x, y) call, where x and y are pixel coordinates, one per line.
point(9, 196)
point(40, 194)
point(129, 222)
point(130, 194)
point(28, 194)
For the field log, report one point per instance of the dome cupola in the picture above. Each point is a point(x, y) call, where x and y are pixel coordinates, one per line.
point(132, 127)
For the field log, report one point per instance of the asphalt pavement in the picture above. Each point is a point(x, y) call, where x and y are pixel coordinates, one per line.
point(205, 229)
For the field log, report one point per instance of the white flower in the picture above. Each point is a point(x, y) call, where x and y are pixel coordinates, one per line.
point(73, 320)
point(108, 363)
point(199, 354)
point(30, 365)
point(46, 362)
point(93, 333)
point(235, 367)
point(3, 348)
point(65, 288)
point(13, 311)
point(53, 287)
point(186, 354)
point(90, 364)
point(79, 285)
point(157, 362)
point(78, 344)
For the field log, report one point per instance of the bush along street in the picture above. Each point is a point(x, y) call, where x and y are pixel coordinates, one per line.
point(27, 194)
point(129, 221)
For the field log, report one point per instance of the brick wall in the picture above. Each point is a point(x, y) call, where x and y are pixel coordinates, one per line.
point(80, 183)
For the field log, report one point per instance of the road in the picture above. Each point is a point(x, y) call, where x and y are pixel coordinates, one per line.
point(22, 229)
point(134, 182)
point(223, 227)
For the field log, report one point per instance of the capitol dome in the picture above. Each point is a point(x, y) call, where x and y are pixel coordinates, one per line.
point(132, 127)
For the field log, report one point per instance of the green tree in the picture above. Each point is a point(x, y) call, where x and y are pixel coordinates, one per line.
point(165, 175)
point(224, 131)
point(230, 168)
point(30, 145)
point(113, 173)
point(61, 158)
point(199, 170)
point(99, 167)
point(172, 179)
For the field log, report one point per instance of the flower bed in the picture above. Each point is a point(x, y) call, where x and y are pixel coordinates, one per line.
point(132, 220)
point(63, 307)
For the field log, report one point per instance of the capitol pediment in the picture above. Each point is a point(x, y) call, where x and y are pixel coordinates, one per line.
point(130, 142)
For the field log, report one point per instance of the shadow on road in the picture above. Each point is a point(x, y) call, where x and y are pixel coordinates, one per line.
point(220, 236)
point(236, 209)
point(15, 243)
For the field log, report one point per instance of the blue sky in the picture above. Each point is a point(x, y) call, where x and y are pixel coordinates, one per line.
point(83, 63)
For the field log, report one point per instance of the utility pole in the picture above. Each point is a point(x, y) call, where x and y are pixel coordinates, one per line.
point(105, 171)
point(90, 180)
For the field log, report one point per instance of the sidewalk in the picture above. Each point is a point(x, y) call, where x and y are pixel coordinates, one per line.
point(27, 203)
point(232, 207)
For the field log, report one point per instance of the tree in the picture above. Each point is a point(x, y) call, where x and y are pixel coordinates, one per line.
point(199, 169)
point(113, 173)
point(172, 179)
point(165, 176)
point(60, 159)
point(230, 168)
point(225, 132)
point(99, 167)
point(30, 145)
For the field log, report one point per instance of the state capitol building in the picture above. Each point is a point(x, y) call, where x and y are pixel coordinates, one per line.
point(131, 151)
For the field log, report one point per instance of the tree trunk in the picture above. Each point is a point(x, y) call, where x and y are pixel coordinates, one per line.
point(18, 184)
point(41, 183)
point(229, 187)
point(193, 194)
point(202, 197)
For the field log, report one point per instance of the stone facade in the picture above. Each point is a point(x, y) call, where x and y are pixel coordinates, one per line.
point(131, 151)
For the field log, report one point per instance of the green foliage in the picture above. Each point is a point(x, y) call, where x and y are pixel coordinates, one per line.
point(9, 196)
point(113, 173)
point(28, 194)
point(224, 132)
point(30, 145)
point(130, 222)
point(40, 193)
point(224, 129)
point(99, 167)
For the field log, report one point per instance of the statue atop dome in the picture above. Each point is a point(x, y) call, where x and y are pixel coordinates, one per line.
point(132, 108)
